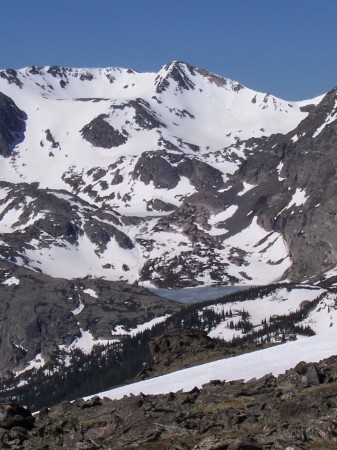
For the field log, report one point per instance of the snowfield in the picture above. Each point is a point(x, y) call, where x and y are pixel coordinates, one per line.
point(278, 303)
point(275, 360)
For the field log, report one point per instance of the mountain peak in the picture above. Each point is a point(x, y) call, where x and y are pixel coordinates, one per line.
point(177, 71)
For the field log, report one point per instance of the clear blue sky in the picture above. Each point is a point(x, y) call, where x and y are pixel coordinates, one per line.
point(286, 47)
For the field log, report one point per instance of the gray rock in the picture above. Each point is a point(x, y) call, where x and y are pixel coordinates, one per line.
point(11, 76)
point(220, 416)
point(12, 125)
point(159, 205)
point(101, 233)
point(14, 415)
point(200, 174)
point(144, 116)
point(37, 318)
point(308, 372)
point(244, 444)
point(308, 161)
point(154, 168)
point(100, 134)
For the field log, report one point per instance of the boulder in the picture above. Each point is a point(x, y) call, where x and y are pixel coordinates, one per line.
point(14, 415)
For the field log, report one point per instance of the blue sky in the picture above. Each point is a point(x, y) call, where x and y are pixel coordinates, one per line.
point(286, 47)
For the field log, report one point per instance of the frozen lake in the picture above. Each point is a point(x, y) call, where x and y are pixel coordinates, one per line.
point(197, 294)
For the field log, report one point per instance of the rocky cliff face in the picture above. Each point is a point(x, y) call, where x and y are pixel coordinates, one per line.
point(295, 179)
point(12, 125)
point(41, 315)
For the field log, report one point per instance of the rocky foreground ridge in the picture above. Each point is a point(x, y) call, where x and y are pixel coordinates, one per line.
point(296, 410)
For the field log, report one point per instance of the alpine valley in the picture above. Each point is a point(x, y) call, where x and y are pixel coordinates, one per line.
point(114, 181)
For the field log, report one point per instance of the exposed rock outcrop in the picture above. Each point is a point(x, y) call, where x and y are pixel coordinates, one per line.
point(200, 174)
point(178, 72)
point(185, 346)
point(154, 168)
point(101, 134)
point(12, 125)
point(40, 313)
point(143, 115)
point(296, 181)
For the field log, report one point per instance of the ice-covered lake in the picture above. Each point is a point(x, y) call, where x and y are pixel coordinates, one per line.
point(197, 294)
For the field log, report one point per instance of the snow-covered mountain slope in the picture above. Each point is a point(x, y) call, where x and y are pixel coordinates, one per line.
point(295, 181)
point(180, 103)
point(273, 360)
point(264, 315)
point(256, 315)
point(84, 121)
point(168, 179)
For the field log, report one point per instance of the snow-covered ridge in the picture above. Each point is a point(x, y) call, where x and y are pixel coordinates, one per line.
point(70, 83)
point(60, 102)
